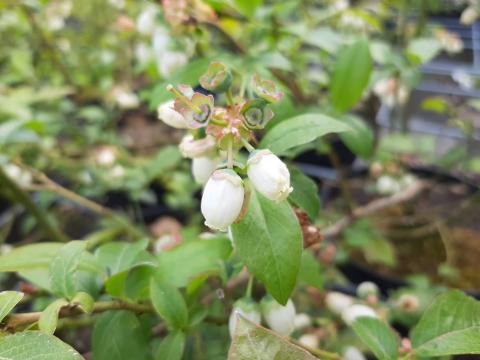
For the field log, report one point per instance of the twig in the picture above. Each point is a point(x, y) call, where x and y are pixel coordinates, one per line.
point(373, 207)
point(15, 320)
point(51, 231)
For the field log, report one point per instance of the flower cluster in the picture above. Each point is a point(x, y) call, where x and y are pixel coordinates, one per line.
point(217, 134)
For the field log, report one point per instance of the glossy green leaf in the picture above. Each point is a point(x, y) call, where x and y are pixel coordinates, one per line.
point(84, 301)
point(8, 300)
point(204, 256)
point(449, 326)
point(120, 335)
point(300, 130)
point(49, 317)
point(305, 192)
point(171, 347)
point(360, 140)
point(351, 73)
point(269, 241)
point(120, 256)
point(168, 302)
point(29, 257)
point(310, 272)
point(30, 345)
point(378, 336)
point(64, 267)
point(252, 341)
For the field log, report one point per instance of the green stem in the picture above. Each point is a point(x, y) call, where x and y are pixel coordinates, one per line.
point(248, 292)
point(230, 97)
point(247, 145)
point(230, 154)
point(50, 230)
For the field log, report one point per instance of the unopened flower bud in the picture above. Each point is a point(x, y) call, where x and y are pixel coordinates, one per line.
point(269, 175)
point(352, 313)
point(337, 302)
point(352, 353)
point(366, 289)
point(309, 340)
point(222, 199)
point(203, 167)
point(168, 114)
point(191, 148)
point(279, 318)
point(302, 321)
point(217, 78)
point(408, 303)
point(246, 308)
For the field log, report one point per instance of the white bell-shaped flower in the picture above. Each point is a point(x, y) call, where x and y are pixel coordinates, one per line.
point(336, 302)
point(280, 319)
point(191, 148)
point(269, 175)
point(170, 116)
point(311, 341)
point(203, 167)
point(222, 199)
point(246, 308)
point(146, 21)
point(302, 321)
point(350, 314)
point(352, 353)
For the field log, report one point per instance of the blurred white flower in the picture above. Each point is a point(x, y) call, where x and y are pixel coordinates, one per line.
point(171, 61)
point(279, 318)
point(203, 167)
point(126, 99)
point(117, 172)
point(246, 308)
point(160, 40)
point(340, 5)
point(166, 242)
point(191, 148)
point(367, 288)
point(469, 15)
point(20, 176)
point(146, 21)
point(119, 4)
point(309, 340)
point(391, 91)
point(222, 199)
point(337, 302)
point(355, 311)
point(105, 155)
point(269, 175)
point(408, 303)
point(5, 249)
point(352, 353)
point(302, 321)
point(450, 42)
point(143, 53)
point(56, 12)
point(387, 185)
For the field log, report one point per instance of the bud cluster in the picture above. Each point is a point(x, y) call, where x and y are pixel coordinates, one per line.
point(218, 133)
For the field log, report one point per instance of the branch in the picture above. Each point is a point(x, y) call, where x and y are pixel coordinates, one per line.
point(15, 320)
point(373, 207)
point(50, 230)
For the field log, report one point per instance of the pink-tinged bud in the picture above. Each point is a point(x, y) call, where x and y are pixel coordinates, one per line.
point(203, 167)
point(269, 175)
point(246, 308)
point(352, 313)
point(170, 116)
point(191, 148)
point(280, 319)
point(222, 199)
point(337, 302)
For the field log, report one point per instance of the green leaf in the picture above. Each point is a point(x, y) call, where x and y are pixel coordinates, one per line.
point(49, 317)
point(29, 257)
point(165, 159)
point(84, 301)
point(171, 347)
point(119, 256)
point(378, 336)
point(310, 271)
point(449, 326)
point(119, 335)
point(422, 50)
point(255, 342)
point(193, 259)
point(8, 300)
point(361, 140)
point(246, 7)
point(351, 73)
point(300, 130)
point(305, 192)
point(63, 269)
point(29, 345)
point(269, 241)
point(169, 304)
